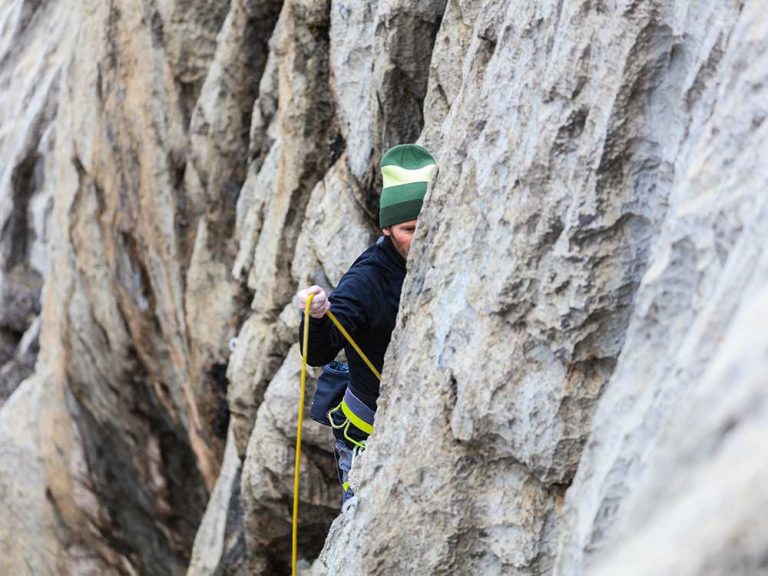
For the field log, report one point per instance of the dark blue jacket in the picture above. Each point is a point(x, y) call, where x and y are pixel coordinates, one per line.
point(366, 302)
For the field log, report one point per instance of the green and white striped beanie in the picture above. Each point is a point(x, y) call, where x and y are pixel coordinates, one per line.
point(406, 169)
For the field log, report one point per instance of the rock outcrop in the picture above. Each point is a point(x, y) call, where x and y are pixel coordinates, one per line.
point(576, 384)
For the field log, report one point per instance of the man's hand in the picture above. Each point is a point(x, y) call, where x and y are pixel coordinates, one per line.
point(320, 304)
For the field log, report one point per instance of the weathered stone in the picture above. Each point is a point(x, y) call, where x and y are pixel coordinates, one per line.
point(551, 188)
point(28, 544)
point(268, 475)
point(21, 362)
point(36, 44)
point(336, 230)
point(8, 342)
point(251, 205)
point(19, 298)
point(219, 544)
point(351, 57)
point(261, 348)
point(213, 177)
point(380, 55)
point(187, 32)
point(303, 116)
point(698, 488)
point(275, 199)
point(124, 293)
point(589, 270)
point(264, 126)
point(660, 468)
point(405, 36)
point(447, 65)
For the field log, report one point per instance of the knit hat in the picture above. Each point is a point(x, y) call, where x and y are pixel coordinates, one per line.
point(406, 169)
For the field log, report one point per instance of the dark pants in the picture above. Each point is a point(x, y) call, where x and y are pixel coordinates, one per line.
point(345, 456)
point(345, 452)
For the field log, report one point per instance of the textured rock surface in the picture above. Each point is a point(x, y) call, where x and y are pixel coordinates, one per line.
point(564, 174)
point(27, 532)
point(35, 45)
point(268, 476)
point(577, 381)
point(219, 544)
point(139, 303)
point(673, 460)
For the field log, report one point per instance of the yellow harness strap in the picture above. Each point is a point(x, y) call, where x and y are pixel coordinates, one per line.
point(355, 419)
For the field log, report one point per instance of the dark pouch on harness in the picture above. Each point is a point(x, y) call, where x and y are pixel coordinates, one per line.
point(330, 390)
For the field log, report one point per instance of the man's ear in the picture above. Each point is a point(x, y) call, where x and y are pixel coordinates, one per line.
point(386, 231)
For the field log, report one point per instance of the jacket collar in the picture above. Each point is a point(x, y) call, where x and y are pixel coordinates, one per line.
point(392, 255)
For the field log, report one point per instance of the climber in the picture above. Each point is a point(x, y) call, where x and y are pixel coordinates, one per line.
point(366, 302)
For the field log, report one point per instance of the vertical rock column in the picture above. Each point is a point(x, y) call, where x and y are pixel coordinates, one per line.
point(128, 444)
point(36, 43)
point(671, 481)
point(296, 161)
point(556, 160)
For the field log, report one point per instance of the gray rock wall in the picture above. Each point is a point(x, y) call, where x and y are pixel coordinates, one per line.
point(576, 382)
point(34, 46)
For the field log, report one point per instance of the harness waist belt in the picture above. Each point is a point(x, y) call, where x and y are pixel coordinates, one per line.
point(357, 412)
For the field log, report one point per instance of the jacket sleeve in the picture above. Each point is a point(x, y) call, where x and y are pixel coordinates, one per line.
point(348, 304)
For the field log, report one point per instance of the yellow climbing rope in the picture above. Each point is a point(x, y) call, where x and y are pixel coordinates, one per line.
point(353, 343)
point(295, 530)
point(305, 348)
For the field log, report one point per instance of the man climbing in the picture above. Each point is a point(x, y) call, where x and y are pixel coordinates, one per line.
point(366, 302)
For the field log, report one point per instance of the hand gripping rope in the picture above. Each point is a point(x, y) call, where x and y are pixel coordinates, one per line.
point(295, 531)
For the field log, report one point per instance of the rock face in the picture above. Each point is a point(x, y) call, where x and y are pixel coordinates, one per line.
point(34, 46)
point(576, 384)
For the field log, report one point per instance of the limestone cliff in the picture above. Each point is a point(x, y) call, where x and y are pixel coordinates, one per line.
point(576, 384)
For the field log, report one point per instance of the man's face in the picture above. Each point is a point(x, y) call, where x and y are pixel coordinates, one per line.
point(401, 235)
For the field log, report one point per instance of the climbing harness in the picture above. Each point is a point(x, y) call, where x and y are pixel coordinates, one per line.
point(355, 413)
point(351, 407)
